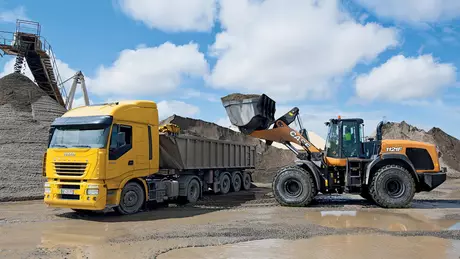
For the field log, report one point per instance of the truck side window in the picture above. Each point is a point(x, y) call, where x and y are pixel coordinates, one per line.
point(120, 141)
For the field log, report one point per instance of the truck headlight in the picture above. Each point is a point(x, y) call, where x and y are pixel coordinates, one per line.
point(92, 189)
point(92, 192)
point(47, 188)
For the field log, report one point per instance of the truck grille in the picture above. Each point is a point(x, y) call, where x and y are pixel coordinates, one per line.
point(70, 169)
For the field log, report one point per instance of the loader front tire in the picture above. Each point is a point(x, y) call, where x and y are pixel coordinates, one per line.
point(392, 186)
point(294, 186)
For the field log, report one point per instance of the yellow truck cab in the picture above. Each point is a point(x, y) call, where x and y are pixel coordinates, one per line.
point(115, 156)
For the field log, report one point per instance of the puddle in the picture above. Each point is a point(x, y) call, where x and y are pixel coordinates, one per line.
point(382, 220)
point(343, 247)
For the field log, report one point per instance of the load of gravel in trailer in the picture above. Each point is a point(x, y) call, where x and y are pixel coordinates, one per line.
point(26, 113)
point(268, 159)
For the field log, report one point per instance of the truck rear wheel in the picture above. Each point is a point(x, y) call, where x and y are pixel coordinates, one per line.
point(131, 199)
point(294, 186)
point(236, 182)
point(246, 181)
point(392, 186)
point(193, 191)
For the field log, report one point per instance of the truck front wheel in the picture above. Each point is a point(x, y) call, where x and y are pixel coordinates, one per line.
point(131, 199)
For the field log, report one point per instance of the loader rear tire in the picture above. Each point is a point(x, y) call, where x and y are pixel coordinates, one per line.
point(392, 186)
point(294, 186)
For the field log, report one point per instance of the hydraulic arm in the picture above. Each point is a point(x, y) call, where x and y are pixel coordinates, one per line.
point(254, 114)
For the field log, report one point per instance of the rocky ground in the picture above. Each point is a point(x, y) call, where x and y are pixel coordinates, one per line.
point(247, 224)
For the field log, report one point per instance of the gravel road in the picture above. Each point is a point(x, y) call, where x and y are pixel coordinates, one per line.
point(242, 225)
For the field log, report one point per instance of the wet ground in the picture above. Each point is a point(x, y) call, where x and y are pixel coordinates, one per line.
point(241, 225)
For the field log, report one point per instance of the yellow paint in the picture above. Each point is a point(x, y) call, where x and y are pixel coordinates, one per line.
point(388, 146)
point(100, 171)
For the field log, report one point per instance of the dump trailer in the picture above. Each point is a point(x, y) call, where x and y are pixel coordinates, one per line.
point(117, 156)
point(387, 172)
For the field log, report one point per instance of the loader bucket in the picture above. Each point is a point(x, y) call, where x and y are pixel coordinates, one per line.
point(249, 112)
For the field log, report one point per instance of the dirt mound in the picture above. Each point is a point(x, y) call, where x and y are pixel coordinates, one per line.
point(26, 113)
point(238, 97)
point(447, 145)
point(269, 160)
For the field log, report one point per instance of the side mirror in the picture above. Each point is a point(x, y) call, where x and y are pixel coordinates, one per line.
point(121, 139)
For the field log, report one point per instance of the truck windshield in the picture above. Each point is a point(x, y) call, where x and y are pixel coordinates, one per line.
point(75, 137)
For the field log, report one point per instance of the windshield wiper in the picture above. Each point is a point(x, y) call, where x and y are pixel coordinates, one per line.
point(58, 145)
point(88, 146)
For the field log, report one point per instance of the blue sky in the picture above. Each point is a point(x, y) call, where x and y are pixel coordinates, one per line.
point(392, 59)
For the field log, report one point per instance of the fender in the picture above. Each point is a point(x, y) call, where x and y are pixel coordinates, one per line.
point(314, 169)
point(126, 180)
point(386, 156)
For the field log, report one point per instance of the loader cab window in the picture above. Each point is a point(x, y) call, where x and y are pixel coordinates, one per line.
point(351, 139)
point(332, 141)
point(120, 141)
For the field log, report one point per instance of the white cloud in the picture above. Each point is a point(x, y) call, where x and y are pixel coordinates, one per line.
point(192, 93)
point(414, 11)
point(293, 49)
point(172, 15)
point(10, 16)
point(168, 108)
point(80, 101)
point(403, 78)
point(149, 71)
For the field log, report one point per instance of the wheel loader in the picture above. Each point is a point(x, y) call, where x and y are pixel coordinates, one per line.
point(387, 172)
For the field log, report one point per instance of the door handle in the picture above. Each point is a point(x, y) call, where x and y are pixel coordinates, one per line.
point(130, 162)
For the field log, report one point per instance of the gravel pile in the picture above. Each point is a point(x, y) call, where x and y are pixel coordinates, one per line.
point(26, 113)
point(269, 159)
point(448, 145)
point(238, 97)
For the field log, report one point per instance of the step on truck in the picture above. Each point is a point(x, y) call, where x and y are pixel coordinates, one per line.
point(387, 172)
point(116, 155)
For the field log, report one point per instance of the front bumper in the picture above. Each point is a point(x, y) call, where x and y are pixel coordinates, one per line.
point(429, 181)
point(75, 195)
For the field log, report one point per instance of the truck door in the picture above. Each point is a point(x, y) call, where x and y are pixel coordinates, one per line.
point(141, 148)
point(121, 153)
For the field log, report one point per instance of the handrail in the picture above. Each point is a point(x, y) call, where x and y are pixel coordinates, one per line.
point(47, 49)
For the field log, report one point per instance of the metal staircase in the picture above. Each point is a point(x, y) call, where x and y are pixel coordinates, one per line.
point(27, 44)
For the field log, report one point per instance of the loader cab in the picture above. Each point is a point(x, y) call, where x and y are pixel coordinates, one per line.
point(344, 138)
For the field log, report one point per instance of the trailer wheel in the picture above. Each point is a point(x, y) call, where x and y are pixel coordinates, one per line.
point(236, 182)
point(294, 186)
point(225, 183)
point(392, 186)
point(131, 199)
point(246, 181)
